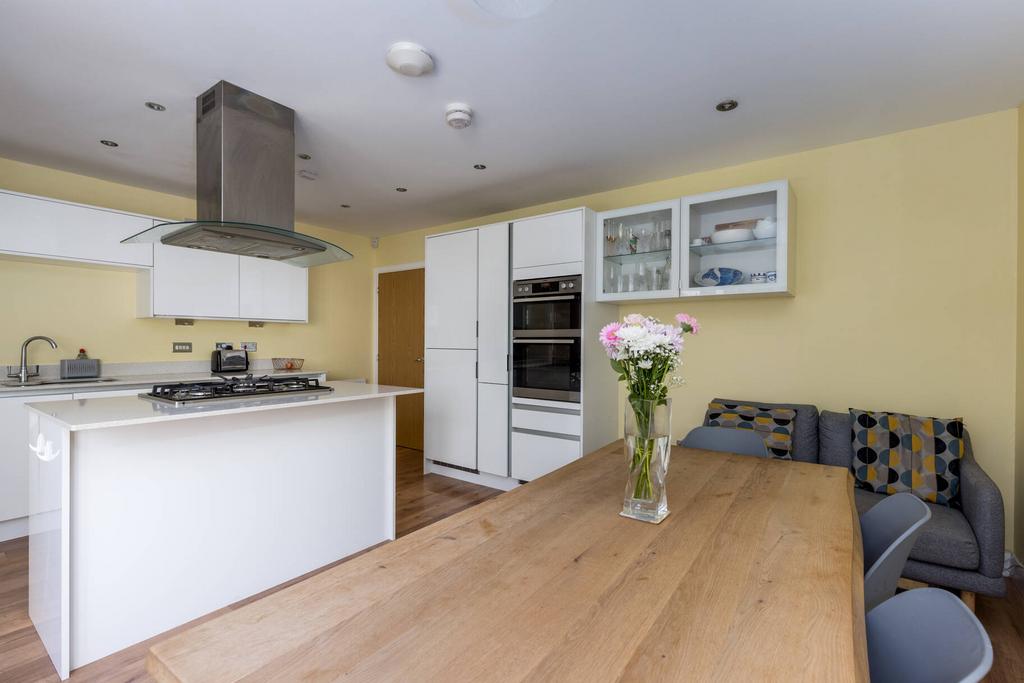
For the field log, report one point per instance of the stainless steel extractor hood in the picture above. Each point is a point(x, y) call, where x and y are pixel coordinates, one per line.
point(245, 184)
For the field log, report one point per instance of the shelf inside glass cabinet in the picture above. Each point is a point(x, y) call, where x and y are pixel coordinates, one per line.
point(733, 247)
point(640, 257)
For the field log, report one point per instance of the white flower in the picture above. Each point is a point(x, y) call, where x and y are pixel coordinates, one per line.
point(645, 364)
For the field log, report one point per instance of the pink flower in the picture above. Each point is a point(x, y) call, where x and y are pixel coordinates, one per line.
point(688, 321)
point(609, 337)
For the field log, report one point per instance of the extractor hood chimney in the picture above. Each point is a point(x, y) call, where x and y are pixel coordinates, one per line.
point(245, 183)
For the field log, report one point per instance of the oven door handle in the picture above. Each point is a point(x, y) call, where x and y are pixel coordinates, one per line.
point(528, 299)
point(533, 340)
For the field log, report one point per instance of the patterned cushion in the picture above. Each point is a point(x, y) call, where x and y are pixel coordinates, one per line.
point(774, 424)
point(893, 452)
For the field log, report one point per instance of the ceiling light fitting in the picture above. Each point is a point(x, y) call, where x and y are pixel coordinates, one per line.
point(479, 167)
point(727, 105)
point(401, 189)
point(458, 115)
point(109, 143)
point(306, 174)
point(409, 59)
point(346, 206)
point(304, 156)
point(156, 106)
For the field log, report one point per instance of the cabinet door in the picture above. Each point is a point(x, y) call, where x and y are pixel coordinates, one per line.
point(547, 240)
point(14, 453)
point(450, 291)
point(191, 283)
point(493, 304)
point(492, 428)
point(48, 228)
point(271, 290)
point(637, 249)
point(536, 454)
point(449, 407)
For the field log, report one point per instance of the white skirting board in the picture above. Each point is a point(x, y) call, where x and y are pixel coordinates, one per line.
point(482, 478)
point(13, 528)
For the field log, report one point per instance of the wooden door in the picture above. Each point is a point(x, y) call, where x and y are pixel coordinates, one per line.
point(400, 347)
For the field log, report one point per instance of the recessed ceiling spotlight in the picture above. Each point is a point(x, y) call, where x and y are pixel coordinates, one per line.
point(304, 156)
point(479, 167)
point(727, 105)
point(458, 115)
point(409, 59)
point(109, 143)
point(401, 189)
point(156, 106)
point(346, 206)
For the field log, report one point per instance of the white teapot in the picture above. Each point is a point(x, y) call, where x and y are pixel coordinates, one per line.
point(765, 228)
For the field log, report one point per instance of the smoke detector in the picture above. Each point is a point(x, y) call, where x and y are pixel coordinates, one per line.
point(458, 115)
point(409, 59)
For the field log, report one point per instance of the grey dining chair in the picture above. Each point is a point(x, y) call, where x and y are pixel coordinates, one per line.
point(889, 530)
point(726, 440)
point(926, 635)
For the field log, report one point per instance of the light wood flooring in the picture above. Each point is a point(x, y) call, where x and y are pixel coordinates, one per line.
point(421, 500)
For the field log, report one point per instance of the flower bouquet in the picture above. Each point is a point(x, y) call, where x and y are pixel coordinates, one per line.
point(645, 352)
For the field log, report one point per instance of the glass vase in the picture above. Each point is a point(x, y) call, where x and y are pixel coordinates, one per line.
point(648, 443)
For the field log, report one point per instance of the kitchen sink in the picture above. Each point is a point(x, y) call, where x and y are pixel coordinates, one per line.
point(42, 382)
point(78, 380)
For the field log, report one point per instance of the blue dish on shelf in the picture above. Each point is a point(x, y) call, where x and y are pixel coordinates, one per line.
point(719, 277)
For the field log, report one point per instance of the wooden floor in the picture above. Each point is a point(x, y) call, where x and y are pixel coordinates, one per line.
point(421, 500)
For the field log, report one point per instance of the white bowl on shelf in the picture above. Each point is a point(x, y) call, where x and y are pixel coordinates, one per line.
point(766, 228)
point(732, 235)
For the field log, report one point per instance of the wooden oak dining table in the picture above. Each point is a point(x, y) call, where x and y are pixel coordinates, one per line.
point(756, 574)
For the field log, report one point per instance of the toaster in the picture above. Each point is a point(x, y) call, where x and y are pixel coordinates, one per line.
point(229, 360)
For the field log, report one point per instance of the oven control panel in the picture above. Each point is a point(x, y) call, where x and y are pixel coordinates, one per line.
point(565, 285)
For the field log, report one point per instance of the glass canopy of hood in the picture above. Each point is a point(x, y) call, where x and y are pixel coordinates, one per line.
point(245, 239)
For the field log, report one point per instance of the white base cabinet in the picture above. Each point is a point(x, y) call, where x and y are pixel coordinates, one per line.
point(449, 407)
point(47, 228)
point(14, 453)
point(492, 428)
point(536, 454)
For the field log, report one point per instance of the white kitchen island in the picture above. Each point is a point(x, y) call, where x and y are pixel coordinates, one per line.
point(144, 515)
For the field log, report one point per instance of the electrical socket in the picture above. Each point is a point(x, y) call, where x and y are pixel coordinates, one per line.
point(248, 346)
point(223, 346)
point(181, 347)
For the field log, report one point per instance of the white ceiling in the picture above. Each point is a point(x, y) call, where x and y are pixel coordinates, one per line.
point(587, 96)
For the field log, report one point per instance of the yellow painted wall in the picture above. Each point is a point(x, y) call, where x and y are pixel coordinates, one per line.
point(907, 293)
point(1018, 494)
point(95, 308)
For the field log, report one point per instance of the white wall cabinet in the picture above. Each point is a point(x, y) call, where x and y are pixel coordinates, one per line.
point(449, 407)
point(190, 283)
point(547, 240)
point(639, 262)
point(450, 294)
point(493, 288)
point(14, 453)
point(271, 290)
point(492, 428)
point(48, 228)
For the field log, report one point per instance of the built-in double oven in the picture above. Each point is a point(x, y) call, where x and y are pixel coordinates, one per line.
point(546, 342)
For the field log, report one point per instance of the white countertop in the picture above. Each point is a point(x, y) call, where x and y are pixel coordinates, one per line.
point(125, 381)
point(123, 411)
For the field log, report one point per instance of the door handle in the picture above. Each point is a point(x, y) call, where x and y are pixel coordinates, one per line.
point(420, 359)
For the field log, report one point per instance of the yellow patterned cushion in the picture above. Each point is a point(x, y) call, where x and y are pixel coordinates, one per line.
point(775, 425)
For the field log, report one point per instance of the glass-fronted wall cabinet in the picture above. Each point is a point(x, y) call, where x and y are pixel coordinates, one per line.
point(738, 241)
point(638, 252)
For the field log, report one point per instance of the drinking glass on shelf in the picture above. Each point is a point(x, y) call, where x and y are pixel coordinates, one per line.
point(623, 240)
point(610, 240)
